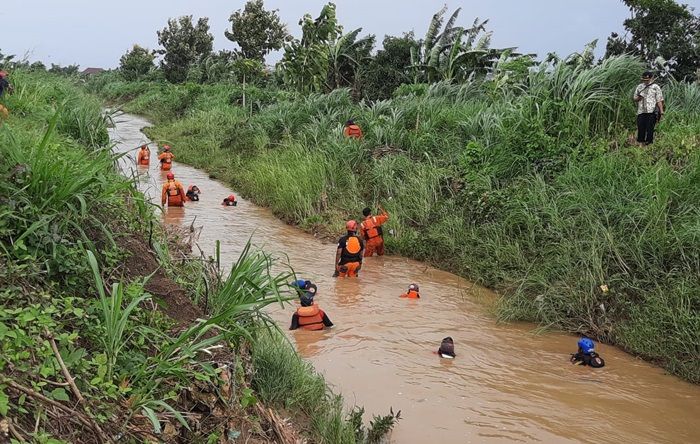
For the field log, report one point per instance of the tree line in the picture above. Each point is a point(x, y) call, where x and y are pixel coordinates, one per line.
point(662, 33)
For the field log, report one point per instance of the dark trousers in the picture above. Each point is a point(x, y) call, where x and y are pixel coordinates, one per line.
point(645, 127)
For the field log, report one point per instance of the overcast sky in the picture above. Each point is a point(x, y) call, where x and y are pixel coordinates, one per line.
point(95, 33)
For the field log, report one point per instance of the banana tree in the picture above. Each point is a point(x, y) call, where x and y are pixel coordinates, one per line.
point(455, 53)
point(345, 57)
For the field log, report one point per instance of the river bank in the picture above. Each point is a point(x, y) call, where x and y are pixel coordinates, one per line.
point(104, 324)
point(545, 219)
point(507, 384)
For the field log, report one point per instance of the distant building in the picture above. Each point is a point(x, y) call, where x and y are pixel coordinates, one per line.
point(91, 71)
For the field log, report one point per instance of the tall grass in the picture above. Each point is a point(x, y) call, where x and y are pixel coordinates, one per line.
point(283, 378)
point(530, 188)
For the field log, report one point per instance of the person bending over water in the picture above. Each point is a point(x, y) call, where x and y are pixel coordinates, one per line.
point(193, 192)
point(230, 201)
point(586, 354)
point(447, 348)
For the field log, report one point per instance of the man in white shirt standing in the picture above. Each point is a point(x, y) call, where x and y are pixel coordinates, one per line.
point(650, 107)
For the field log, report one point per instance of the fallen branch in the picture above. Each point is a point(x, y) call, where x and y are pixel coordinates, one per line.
point(13, 430)
point(64, 369)
point(72, 414)
point(280, 428)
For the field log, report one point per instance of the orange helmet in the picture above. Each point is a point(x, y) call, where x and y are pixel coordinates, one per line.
point(351, 225)
point(170, 176)
point(231, 197)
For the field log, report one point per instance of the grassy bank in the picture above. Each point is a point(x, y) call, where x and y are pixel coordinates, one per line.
point(99, 340)
point(528, 186)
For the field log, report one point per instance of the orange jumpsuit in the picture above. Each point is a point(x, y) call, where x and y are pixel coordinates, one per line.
point(173, 193)
point(372, 232)
point(144, 157)
point(166, 160)
point(353, 131)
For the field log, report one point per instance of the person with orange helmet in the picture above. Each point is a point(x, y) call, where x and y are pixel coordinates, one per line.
point(371, 229)
point(352, 130)
point(166, 158)
point(144, 156)
point(348, 256)
point(230, 201)
point(173, 192)
point(412, 293)
point(193, 193)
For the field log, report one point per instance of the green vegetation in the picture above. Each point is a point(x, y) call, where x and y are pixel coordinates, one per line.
point(86, 354)
point(525, 182)
point(284, 379)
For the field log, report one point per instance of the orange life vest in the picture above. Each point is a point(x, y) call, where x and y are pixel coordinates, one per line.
point(353, 245)
point(353, 131)
point(310, 318)
point(412, 294)
point(145, 157)
point(174, 195)
point(370, 229)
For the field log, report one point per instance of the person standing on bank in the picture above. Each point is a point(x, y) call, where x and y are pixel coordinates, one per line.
point(650, 108)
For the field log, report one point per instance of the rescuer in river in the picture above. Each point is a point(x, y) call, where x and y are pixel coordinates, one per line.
point(348, 256)
point(193, 193)
point(309, 316)
point(352, 130)
point(412, 293)
point(447, 348)
point(173, 192)
point(371, 229)
point(144, 156)
point(586, 354)
point(166, 158)
point(230, 201)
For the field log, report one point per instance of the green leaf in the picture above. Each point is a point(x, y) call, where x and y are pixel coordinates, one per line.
point(4, 402)
point(59, 394)
point(150, 414)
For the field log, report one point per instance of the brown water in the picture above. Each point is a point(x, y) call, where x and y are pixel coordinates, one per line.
point(508, 383)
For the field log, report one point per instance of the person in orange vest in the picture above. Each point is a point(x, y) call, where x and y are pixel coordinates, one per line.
point(173, 192)
point(309, 316)
point(166, 158)
point(348, 256)
point(230, 201)
point(144, 156)
point(193, 192)
point(371, 229)
point(412, 293)
point(352, 130)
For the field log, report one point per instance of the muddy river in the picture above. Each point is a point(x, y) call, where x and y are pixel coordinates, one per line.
point(509, 383)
